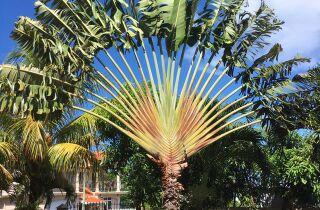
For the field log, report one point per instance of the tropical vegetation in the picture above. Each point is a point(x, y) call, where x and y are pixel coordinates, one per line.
point(173, 76)
point(30, 175)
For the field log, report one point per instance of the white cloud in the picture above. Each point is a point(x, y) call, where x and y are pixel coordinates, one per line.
point(189, 55)
point(300, 34)
point(301, 31)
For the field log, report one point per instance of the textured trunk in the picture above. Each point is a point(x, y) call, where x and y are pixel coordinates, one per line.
point(172, 188)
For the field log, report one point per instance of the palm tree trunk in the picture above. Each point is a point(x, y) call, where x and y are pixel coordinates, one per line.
point(83, 190)
point(172, 188)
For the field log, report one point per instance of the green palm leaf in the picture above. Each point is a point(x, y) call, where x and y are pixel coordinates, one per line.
point(33, 136)
point(174, 13)
point(5, 178)
point(68, 156)
point(27, 90)
point(6, 151)
point(81, 130)
point(7, 156)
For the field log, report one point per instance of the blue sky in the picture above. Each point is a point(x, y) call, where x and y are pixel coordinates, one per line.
point(301, 31)
point(10, 10)
point(300, 35)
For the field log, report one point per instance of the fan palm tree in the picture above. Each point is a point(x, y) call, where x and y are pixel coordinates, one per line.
point(71, 156)
point(88, 49)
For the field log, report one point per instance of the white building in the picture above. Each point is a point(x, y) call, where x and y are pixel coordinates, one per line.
point(101, 193)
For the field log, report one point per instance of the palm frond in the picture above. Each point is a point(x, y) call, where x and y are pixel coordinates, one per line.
point(29, 90)
point(7, 156)
point(82, 131)
point(309, 80)
point(5, 178)
point(7, 151)
point(176, 115)
point(32, 135)
point(68, 156)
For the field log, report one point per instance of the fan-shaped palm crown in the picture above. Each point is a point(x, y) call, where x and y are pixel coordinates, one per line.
point(89, 49)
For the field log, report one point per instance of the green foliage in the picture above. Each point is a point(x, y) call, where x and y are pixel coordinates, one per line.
point(7, 157)
point(297, 110)
point(29, 172)
point(227, 173)
point(69, 156)
point(62, 48)
point(295, 169)
point(66, 38)
point(32, 206)
point(29, 90)
point(143, 180)
point(138, 173)
point(300, 168)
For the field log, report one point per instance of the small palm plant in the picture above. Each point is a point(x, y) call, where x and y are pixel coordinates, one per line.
point(94, 50)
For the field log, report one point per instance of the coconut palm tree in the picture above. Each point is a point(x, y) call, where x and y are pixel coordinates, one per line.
point(33, 135)
point(72, 150)
point(6, 153)
point(88, 49)
point(26, 155)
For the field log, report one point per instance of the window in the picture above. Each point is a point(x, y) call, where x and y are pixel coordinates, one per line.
point(109, 203)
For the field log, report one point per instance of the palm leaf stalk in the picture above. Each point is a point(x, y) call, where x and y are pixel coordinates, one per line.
point(115, 44)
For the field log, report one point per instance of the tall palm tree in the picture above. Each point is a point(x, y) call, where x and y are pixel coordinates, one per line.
point(88, 49)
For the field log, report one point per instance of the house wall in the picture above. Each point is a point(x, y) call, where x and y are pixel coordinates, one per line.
point(5, 203)
point(114, 194)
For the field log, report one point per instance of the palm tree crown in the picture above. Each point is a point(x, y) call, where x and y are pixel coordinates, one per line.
point(94, 50)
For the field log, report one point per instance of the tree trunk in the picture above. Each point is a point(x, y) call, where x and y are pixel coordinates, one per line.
point(138, 206)
point(35, 190)
point(172, 188)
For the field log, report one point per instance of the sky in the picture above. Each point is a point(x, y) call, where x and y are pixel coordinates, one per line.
point(300, 34)
point(301, 30)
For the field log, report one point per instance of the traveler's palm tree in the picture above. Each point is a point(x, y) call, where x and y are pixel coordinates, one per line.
point(88, 49)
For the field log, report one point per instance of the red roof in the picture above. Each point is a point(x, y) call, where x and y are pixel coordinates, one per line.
point(99, 155)
point(88, 191)
point(92, 199)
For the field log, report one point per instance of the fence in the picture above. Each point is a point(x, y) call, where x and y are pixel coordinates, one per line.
point(100, 206)
point(267, 208)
